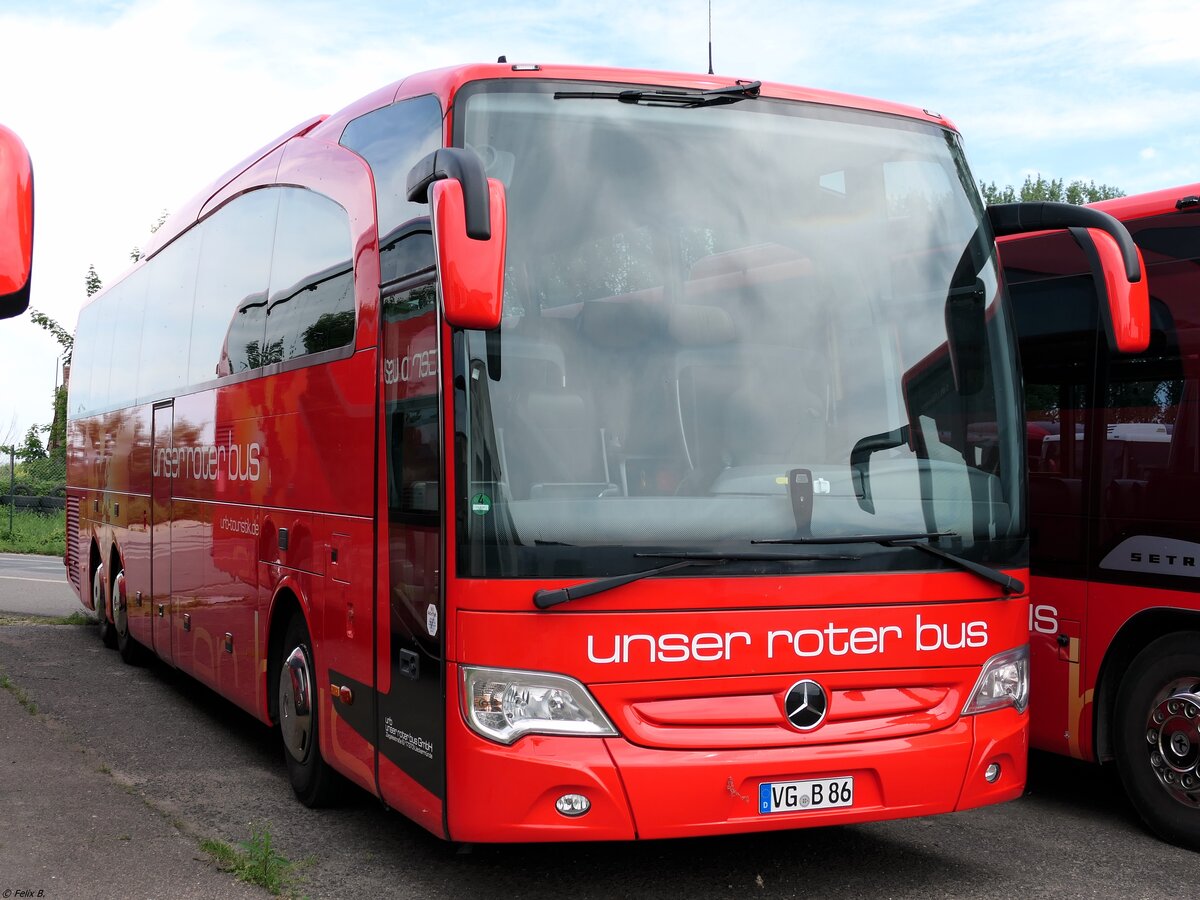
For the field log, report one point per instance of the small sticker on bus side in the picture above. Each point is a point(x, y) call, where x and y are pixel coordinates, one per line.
point(481, 504)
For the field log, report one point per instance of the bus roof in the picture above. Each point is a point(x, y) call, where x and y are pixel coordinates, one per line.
point(1150, 204)
point(445, 83)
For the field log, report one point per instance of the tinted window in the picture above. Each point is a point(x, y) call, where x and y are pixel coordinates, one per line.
point(83, 358)
point(231, 287)
point(413, 476)
point(1150, 470)
point(1056, 311)
point(392, 140)
point(126, 306)
point(170, 288)
point(102, 327)
point(311, 306)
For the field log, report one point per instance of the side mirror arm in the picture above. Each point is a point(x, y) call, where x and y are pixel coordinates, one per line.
point(1109, 247)
point(465, 167)
point(1021, 218)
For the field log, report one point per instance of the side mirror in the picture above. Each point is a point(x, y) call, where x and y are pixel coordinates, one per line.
point(1126, 316)
point(16, 224)
point(860, 461)
point(1121, 270)
point(469, 234)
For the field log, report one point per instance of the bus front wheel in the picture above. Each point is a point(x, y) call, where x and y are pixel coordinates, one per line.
point(312, 779)
point(1158, 736)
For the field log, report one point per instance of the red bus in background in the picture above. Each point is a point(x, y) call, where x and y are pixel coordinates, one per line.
point(1114, 473)
point(565, 454)
point(16, 224)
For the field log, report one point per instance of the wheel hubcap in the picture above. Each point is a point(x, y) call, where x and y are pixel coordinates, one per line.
point(98, 594)
point(120, 616)
point(1173, 741)
point(295, 704)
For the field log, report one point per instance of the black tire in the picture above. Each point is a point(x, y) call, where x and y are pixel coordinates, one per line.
point(100, 595)
point(1157, 740)
point(131, 651)
point(313, 781)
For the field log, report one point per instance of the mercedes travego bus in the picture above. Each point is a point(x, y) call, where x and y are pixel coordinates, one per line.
point(16, 224)
point(1114, 459)
point(563, 453)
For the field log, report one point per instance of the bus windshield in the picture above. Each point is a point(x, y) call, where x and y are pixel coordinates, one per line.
point(707, 310)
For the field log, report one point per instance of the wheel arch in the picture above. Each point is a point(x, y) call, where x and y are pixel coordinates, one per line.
point(1132, 638)
point(285, 603)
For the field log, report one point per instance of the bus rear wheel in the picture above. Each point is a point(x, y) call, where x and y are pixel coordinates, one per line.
point(1158, 736)
point(299, 722)
point(131, 651)
point(108, 634)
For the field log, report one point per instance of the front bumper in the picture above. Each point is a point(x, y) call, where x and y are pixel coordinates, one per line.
point(507, 793)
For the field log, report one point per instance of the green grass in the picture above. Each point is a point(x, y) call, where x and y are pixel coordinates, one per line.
point(33, 532)
point(256, 862)
point(22, 698)
point(79, 617)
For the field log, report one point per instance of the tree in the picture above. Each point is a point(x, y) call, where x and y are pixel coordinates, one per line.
point(65, 339)
point(56, 442)
point(1039, 188)
point(91, 281)
point(32, 448)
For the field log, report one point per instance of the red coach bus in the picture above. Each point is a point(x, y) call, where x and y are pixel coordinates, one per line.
point(1114, 458)
point(16, 224)
point(566, 453)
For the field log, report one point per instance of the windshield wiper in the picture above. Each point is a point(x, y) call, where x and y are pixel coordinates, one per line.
point(919, 541)
point(662, 97)
point(544, 599)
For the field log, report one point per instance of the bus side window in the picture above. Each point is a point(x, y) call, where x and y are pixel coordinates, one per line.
point(235, 264)
point(392, 140)
point(413, 478)
point(163, 369)
point(310, 305)
point(1151, 465)
point(410, 376)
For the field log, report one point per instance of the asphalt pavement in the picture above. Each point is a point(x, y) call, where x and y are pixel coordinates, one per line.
point(69, 825)
point(109, 785)
point(35, 585)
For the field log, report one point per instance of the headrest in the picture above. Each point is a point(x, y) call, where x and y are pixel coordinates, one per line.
point(699, 326)
point(606, 323)
point(554, 409)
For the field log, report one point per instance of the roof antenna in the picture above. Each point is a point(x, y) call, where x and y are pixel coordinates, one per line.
point(710, 68)
point(502, 59)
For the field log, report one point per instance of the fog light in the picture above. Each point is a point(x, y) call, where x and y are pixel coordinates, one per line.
point(992, 773)
point(573, 805)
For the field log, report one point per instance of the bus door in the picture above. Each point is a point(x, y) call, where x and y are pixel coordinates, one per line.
point(161, 472)
point(412, 693)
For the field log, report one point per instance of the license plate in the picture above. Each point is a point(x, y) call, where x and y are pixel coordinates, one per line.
point(800, 796)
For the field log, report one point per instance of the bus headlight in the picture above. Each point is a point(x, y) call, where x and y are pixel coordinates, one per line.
point(1004, 682)
point(504, 705)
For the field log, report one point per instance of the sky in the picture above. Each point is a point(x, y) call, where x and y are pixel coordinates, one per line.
point(129, 107)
